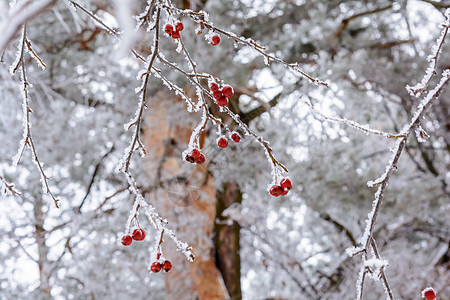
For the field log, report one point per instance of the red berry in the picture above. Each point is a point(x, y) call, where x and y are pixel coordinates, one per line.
point(195, 153)
point(236, 137)
point(167, 265)
point(286, 183)
point(176, 34)
point(222, 101)
point(217, 94)
point(179, 26)
point(126, 240)
point(138, 234)
point(213, 86)
point(190, 158)
point(200, 159)
point(284, 193)
point(222, 142)
point(276, 190)
point(429, 294)
point(168, 29)
point(215, 39)
point(228, 91)
point(155, 267)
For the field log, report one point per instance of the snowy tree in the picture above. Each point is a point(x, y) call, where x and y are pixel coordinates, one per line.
point(188, 119)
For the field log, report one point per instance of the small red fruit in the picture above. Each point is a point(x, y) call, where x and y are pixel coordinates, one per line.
point(228, 91)
point(217, 94)
point(213, 86)
point(167, 265)
point(179, 26)
point(276, 190)
point(195, 153)
point(222, 142)
point(215, 39)
point(176, 34)
point(222, 101)
point(126, 240)
point(200, 159)
point(168, 29)
point(429, 294)
point(236, 137)
point(138, 234)
point(155, 267)
point(190, 158)
point(286, 183)
point(284, 193)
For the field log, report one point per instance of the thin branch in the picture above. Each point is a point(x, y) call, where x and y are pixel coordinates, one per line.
point(8, 187)
point(383, 275)
point(27, 139)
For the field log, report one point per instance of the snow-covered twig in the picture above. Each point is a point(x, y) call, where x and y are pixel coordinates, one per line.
point(23, 13)
point(6, 186)
point(202, 16)
point(27, 139)
point(419, 88)
point(352, 123)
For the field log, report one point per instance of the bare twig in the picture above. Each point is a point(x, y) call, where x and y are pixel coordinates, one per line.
point(8, 187)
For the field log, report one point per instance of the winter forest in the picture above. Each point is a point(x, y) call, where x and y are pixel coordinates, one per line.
point(210, 149)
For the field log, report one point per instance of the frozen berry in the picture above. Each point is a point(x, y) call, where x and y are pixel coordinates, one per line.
point(179, 26)
point(276, 190)
point(215, 39)
point(167, 265)
point(126, 240)
point(190, 158)
point(284, 193)
point(155, 267)
point(168, 29)
point(213, 86)
point(236, 137)
point(429, 294)
point(138, 234)
point(228, 91)
point(217, 94)
point(286, 184)
point(200, 159)
point(195, 153)
point(222, 142)
point(222, 101)
point(176, 34)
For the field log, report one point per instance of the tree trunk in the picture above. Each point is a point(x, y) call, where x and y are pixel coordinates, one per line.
point(189, 204)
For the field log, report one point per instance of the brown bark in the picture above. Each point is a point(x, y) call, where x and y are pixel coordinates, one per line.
point(226, 240)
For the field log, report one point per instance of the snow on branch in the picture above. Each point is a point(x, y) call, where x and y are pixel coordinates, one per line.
point(27, 139)
point(202, 17)
point(6, 187)
point(382, 181)
point(419, 88)
point(351, 123)
point(20, 15)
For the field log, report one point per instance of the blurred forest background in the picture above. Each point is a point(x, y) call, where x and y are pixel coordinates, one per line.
point(248, 244)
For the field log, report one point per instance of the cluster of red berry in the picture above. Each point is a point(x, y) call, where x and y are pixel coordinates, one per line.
point(282, 189)
point(221, 95)
point(222, 142)
point(214, 39)
point(137, 235)
point(174, 32)
point(195, 156)
point(160, 264)
point(429, 294)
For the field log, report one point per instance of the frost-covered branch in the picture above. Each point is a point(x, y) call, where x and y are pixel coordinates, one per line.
point(19, 16)
point(419, 88)
point(27, 139)
point(202, 17)
point(6, 186)
point(351, 123)
point(382, 181)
